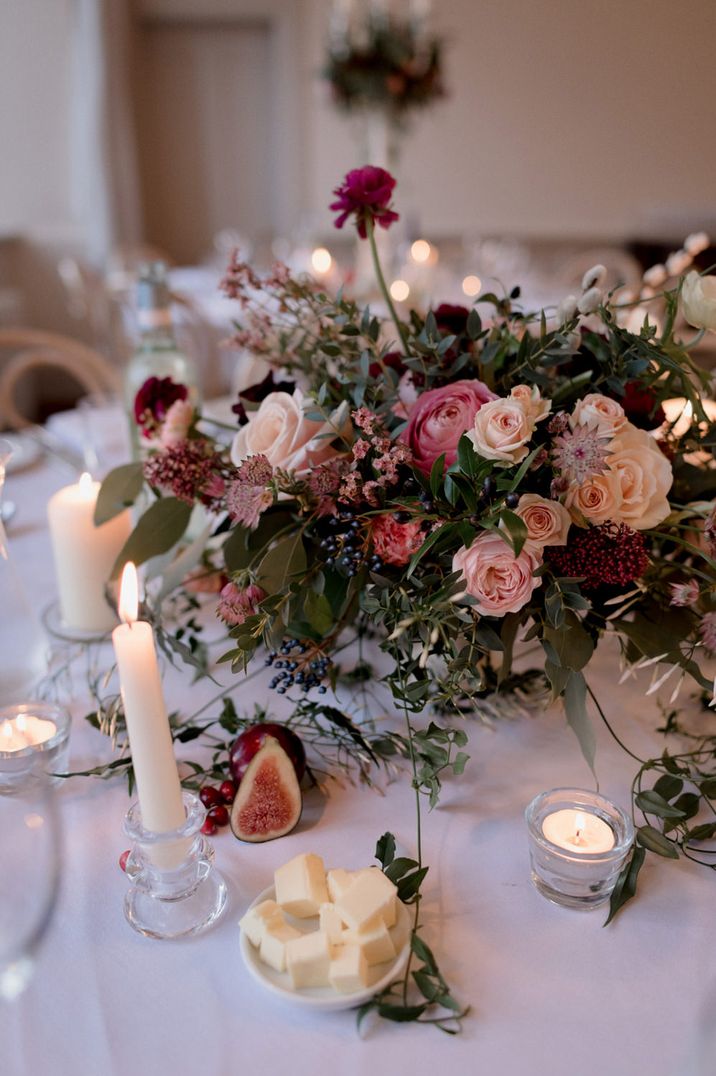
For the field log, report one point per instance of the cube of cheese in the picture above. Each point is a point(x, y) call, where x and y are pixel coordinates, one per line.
point(376, 944)
point(331, 923)
point(349, 969)
point(277, 936)
point(338, 881)
point(370, 897)
point(253, 923)
point(308, 959)
point(301, 885)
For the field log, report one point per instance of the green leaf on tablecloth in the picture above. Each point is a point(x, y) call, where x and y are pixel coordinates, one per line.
point(625, 887)
point(423, 952)
point(385, 849)
point(651, 838)
point(118, 491)
point(401, 1013)
point(160, 528)
point(399, 867)
point(705, 832)
point(668, 786)
point(409, 886)
point(575, 707)
point(651, 802)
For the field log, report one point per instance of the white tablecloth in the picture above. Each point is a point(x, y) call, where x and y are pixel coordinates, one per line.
point(553, 993)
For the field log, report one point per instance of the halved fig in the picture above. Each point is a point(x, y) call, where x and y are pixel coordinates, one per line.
point(268, 803)
point(252, 739)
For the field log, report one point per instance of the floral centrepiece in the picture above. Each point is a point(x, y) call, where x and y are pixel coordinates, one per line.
point(448, 485)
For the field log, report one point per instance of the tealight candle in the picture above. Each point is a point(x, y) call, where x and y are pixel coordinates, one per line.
point(33, 735)
point(579, 842)
point(84, 555)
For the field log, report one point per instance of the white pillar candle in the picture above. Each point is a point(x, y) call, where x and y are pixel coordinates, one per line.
point(578, 831)
point(25, 730)
point(84, 555)
point(145, 714)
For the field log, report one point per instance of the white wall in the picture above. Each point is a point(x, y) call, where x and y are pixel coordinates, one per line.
point(564, 119)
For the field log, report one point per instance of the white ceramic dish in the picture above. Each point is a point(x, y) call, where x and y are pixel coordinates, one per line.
point(324, 998)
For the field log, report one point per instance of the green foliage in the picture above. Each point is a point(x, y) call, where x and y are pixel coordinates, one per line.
point(156, 532)
point(118, 491)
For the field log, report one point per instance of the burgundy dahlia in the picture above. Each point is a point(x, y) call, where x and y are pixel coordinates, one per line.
point(608, 555)
point(154, 399)
point(640, 406)
point(451, 318)
point(365, 192)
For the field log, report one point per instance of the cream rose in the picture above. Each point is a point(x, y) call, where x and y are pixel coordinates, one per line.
point(531, 399)
point(547, 522)
point(644, 478)
point(281, 432)
point(598, 499)
point(502, 430)
point(499, 581)
point(698, 300)
point(599, 413)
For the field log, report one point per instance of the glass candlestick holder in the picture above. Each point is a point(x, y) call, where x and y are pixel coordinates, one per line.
point(34, 739)
point(174, 887)
point(579, 842)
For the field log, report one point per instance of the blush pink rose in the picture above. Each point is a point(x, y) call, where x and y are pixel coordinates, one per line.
point(644, 478)
point(499, 581)
point(599, 413)
point(280, 431)
point(547, 522)
point(439, 419)
point(395, 542)
point(597, 500)
point(502, 430)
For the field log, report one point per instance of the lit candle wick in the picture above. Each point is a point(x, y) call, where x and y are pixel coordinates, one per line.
point(580, 824)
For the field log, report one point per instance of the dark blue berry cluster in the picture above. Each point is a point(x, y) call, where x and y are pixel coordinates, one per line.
point(345, 548)
point(299, 665)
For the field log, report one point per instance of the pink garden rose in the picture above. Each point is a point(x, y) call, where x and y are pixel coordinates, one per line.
point(547, 522)
point(597, 500)
point(499, 581)
point(503, 429)
point(177, 422)
point(395, 542)
point(280, 431)
point(439, 419)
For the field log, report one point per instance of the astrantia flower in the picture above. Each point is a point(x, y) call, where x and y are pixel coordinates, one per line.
point(580, 453)
point(246, 502)
point(255, 471)
point(707, 631)
point(153, 401)
point(366, 193)
point(609, 555)
point(187, 470)
point(684, 594)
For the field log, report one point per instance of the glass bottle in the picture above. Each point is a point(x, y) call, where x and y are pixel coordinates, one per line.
point(157, 353)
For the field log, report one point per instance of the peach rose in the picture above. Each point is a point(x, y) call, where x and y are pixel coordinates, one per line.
point(280, 431)
point(644, 478)
point(598, 499)
point(547, 522)
point(599, 413)
point(499, 581)
point(502, 430)
point(531, 399)
point(440, 417)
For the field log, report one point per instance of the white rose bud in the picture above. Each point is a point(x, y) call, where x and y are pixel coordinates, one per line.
point(566, 309)
point(696, 242)
point(589, 301)
point(698, 300)
point(677, 262)
point(655, 276)
point(594, 277)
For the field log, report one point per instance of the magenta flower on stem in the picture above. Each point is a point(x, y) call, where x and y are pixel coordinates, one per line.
point(365, 192)
point(154, 399)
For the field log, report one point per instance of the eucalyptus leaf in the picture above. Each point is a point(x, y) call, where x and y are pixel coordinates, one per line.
point(575, 708)
point(160, 528)
point(625, 887)
point(118, 491)
point(651, 838)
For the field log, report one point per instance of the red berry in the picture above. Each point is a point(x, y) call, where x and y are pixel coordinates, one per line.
point(227, 791)
point(209, 827)
point(123, 859)
point(219, 815)
point(209, 796)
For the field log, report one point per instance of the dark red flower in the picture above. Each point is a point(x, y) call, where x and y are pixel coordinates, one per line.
point(451, 319)
point(154, 399)
point(639, 403)
point(258, 392)
point(609, 555)
point(365, 192)
point(393, 360)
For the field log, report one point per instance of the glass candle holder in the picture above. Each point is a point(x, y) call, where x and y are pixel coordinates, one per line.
point(174, 887)
point(579, 842)
point(34, 738)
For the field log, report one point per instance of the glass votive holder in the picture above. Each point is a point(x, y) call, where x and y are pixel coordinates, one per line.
point(34, 739)
point(579, 842)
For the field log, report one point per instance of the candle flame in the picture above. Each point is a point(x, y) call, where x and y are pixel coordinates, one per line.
point(7, 729)
point(580, 823)
point(86, 484)
point(21, 723)
point(129, 594)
